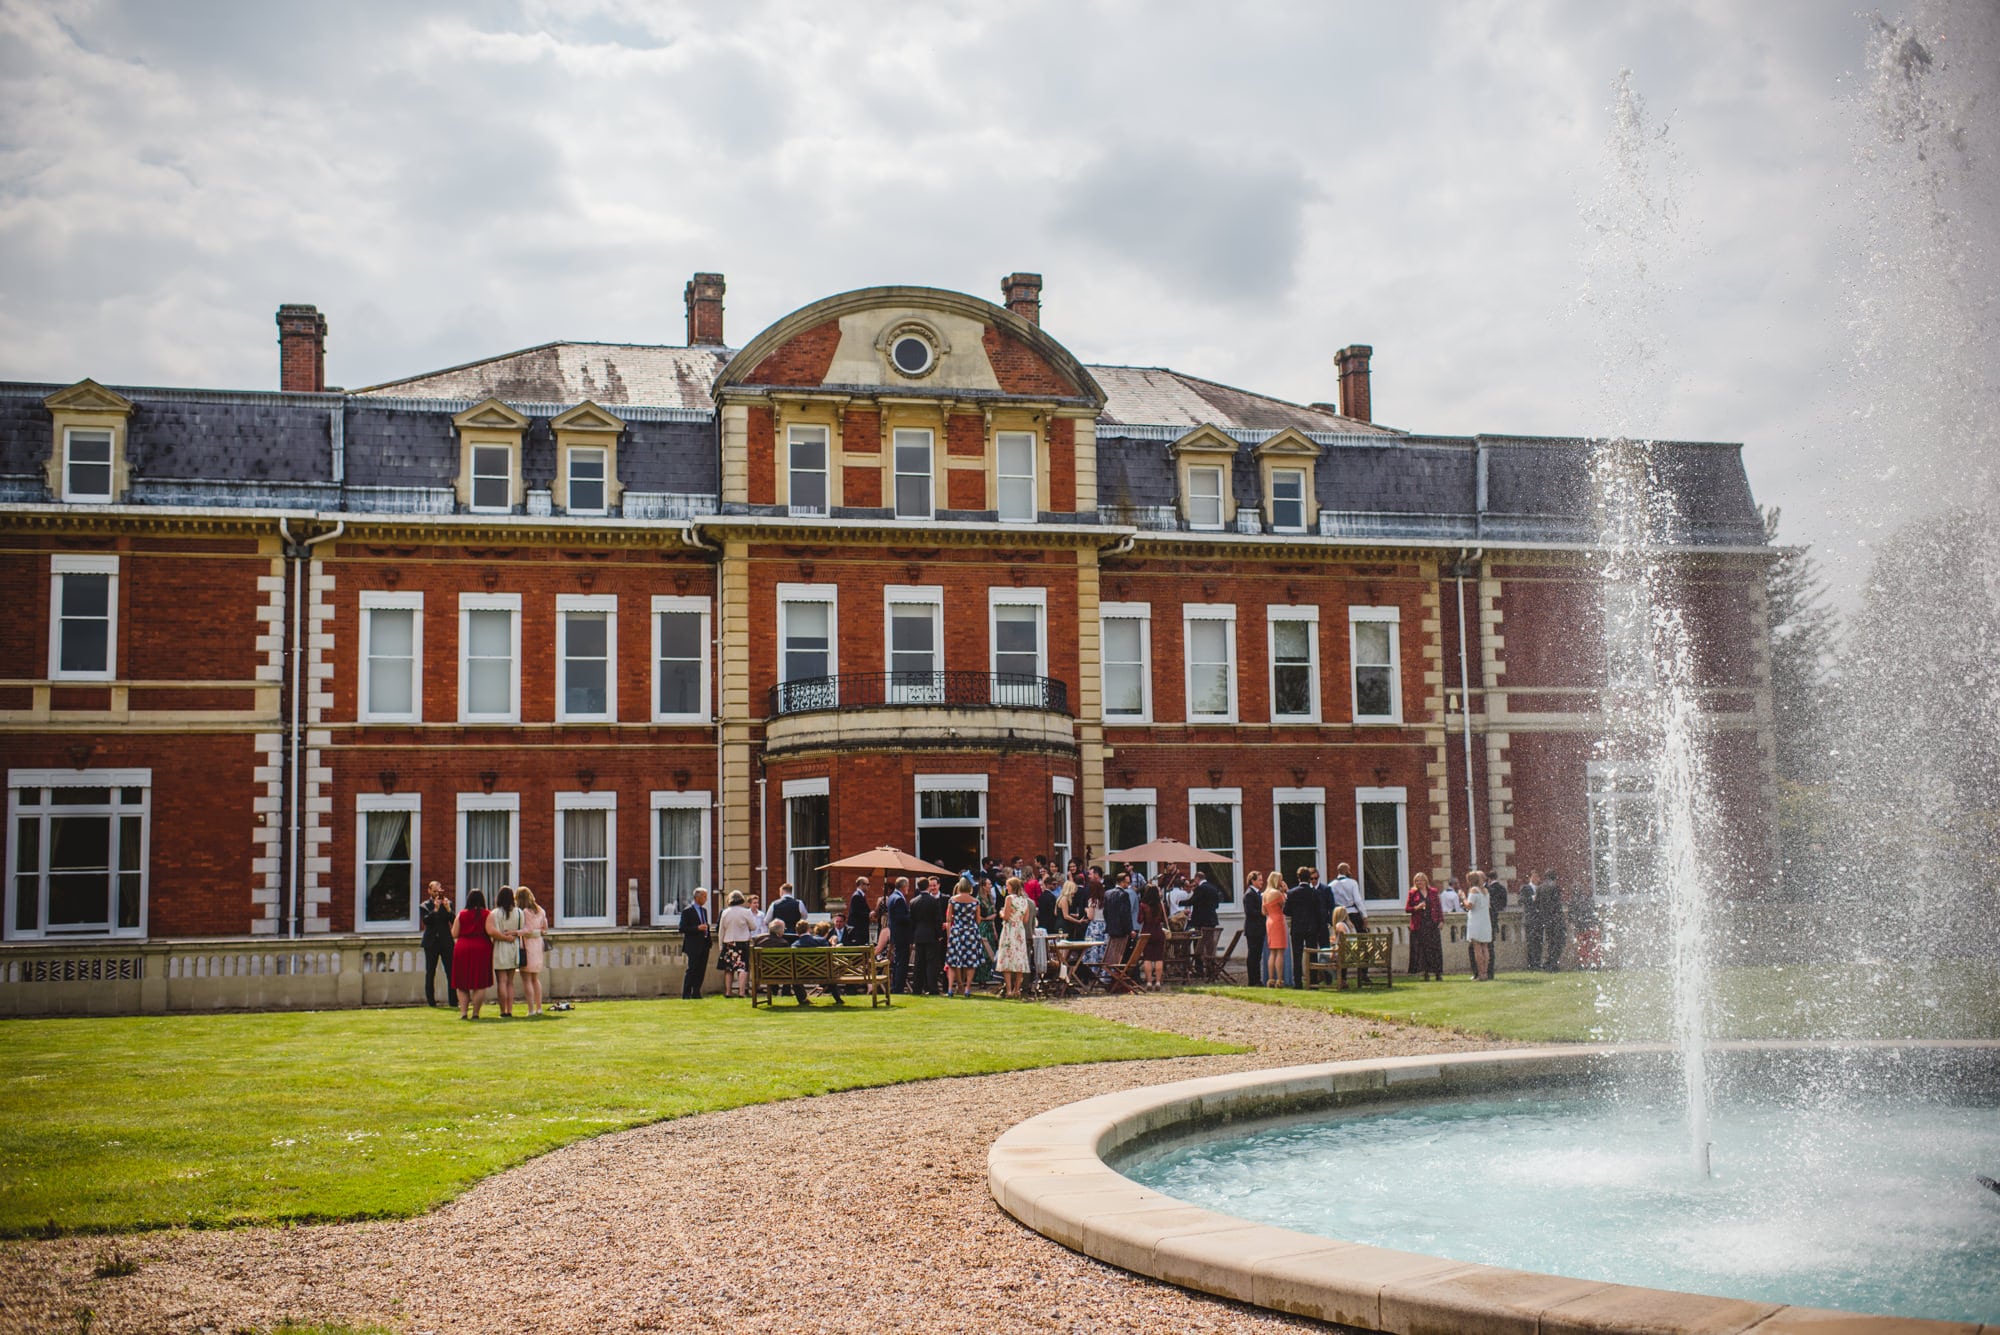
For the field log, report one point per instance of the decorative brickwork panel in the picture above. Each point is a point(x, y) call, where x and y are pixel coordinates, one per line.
point(80, 697)
point(217, 645)
point(761, 442)
point(965, 436)
point(966, 488)
point(1062, 465)
point(177, 698)
point(1022, 370)
point(802, 360)
point(861, 432)
point(861, 486)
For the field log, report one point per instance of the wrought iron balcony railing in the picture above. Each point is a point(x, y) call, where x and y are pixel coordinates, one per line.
point(891, 690)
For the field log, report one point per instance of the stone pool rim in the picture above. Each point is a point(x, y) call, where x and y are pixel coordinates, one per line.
point(1051, 1173)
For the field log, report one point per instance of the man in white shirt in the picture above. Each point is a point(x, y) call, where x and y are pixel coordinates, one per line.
point(1347, 895)
point(1450, 897)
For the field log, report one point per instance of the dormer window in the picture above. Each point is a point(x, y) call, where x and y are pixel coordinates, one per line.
point(489, 463)
point(86, 465)
point(1285, 464)
point(586, 480)
point(1205, 496)
point(86, 459)
point(1288, 500)
point(492, 478)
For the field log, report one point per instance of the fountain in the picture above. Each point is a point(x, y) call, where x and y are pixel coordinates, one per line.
point(1610, 1187)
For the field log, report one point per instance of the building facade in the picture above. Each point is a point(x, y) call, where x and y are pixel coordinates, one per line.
point(618, 621)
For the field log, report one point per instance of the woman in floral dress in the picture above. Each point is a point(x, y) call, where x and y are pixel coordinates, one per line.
point(1015, 915)
point(964, 948)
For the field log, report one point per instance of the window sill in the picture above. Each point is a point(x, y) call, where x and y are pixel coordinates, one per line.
point(474, 720)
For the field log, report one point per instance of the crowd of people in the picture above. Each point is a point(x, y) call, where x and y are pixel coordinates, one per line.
point(1002, 920)
point(1000, 923)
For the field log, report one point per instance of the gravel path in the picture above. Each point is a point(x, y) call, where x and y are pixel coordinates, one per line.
point(734, 1221)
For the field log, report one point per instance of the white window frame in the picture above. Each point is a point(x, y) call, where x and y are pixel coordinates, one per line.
point(1308, 616)
point(390, 600)
point(791, 788)
point(558, 894)
point(1143, 614)
point(1604, 786)
point(803, 434)
point(997, 598)
point(366, 804)
point(22, 780)
point(1300, 797)
point(810, 593)
point(1062, 797)
point(950, 783)
point(1226, 614)
point(468, 603)
point(1401, 798)
point(1221, 797)
point(70, 494)
point(896, 473)
point(1149, 798)
point(1195, 498)
point(1001, 477)
point(473, 475)
point(83, 563)
point(1276, 501)
point(508, 802)
point(603, 456)
point(696, 801)
point(914, 595)
point(588, 604)
point(700, 605)
point(1393, 617)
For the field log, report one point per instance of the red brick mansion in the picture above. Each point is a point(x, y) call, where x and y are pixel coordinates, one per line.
point(619, 621)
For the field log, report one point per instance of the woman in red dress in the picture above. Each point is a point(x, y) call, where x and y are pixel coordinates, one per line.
point(471, 956)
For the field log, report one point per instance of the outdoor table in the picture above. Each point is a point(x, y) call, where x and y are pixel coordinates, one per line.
point(1071, 953)
point(1180, 956)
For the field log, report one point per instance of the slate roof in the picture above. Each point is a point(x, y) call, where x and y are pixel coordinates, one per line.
point(663, 376)
point(611, 374)
point(1156, 396)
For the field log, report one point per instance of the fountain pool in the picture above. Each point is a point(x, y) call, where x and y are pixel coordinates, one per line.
point(1867, 1204)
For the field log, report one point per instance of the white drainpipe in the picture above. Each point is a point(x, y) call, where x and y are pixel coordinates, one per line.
point(299, 552)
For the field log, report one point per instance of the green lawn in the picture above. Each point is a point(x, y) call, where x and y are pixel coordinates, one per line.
point(115, 1124)
point(1944, 1001)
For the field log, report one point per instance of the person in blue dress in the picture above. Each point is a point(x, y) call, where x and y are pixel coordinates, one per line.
point(964, 947)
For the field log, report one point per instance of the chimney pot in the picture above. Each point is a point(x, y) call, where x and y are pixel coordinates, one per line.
point(1353, 364)
point(1024, 295)
point(704, 310)
point(301, 349)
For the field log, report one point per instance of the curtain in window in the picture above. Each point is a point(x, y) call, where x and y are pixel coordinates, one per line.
point(585, 868)
point(680, 855)
point(488, 855)
point(388, 863)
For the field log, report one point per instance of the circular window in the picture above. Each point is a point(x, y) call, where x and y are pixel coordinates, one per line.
point(912, 354)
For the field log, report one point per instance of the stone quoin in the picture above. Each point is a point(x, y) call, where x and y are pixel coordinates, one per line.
point(616, 621)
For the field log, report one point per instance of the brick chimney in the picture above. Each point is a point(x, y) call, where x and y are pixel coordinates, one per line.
point(704, 307)
point(301, 349)
point(1024, 295)
point(1353, 363)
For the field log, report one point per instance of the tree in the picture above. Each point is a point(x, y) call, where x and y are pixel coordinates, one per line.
point(1805, 638)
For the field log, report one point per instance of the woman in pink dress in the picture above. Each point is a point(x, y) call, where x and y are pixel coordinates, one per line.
point(471, 956)
point(534, 931)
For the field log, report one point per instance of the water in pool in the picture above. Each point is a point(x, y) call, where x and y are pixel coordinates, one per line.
point(1867, 1206)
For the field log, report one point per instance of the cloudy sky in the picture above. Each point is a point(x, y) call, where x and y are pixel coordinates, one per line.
point(1232, 190)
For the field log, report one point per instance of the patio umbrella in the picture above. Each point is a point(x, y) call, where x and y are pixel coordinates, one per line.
point(1166, 850)
point(886, 858)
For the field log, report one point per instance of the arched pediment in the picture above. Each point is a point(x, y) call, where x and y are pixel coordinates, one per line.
point(848, 340)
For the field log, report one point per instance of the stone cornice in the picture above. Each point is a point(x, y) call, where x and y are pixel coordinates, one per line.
point(168, 520)
point(775, 528)
point(1295, 546)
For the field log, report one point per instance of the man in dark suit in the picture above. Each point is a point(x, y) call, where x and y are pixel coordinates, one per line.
point(927, 936)
point(857, 909)
point(437, 917)
point(1048, 910)
point(789, 908)
point(1203, 919)
point(697, 934)
point(1327, 902)
point(899, 935)
point(1118, 920)
point(1253, 936)
point(1305, 924)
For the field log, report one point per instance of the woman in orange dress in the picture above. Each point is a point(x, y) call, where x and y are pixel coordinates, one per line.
point(1277, 949)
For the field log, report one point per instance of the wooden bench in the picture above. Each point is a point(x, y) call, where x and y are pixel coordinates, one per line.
point(775, 969)
point(1365, 952)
